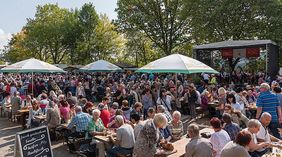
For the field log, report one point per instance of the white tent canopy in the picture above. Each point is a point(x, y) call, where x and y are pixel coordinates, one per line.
point(176, 63)
point(31, 65)
point(100, 66)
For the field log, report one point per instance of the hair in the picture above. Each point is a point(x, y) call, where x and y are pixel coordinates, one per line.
point(135, 116)
point(277, 89)
point(265, 114)
point(78, 109)
point(43, 96)
point(161, 108)
point(35, 102)
point(89, 104)
point(238, 90)
point(124, 103)
point(105, 98)
point(176, 113)
point(215, 123)
point(226, 117)
point(253, 123)
point(243, 138)
point(230, 95)
point(194, 129)
point(96, 111)
point(160, 120)
point(64, 103)
point(151, 110)
point(138, 104)
point(265, 85)
point(221, 90)
point(119, 112)
point(119, 119)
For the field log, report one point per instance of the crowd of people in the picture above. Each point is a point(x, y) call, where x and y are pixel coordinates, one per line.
point(138, 111)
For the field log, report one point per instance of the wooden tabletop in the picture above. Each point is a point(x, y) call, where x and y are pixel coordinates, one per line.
point(40, 117)
point(180, 145)
point(23, 111)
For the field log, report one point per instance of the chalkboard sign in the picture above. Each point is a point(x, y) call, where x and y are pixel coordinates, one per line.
point(33, 142)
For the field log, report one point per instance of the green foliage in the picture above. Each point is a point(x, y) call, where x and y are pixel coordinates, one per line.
point(160, 20)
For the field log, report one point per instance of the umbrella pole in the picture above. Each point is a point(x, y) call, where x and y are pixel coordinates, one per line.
point(32, 83)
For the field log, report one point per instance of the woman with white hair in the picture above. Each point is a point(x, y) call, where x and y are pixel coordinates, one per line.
point(176, 126)
point(96, 127)
point(146, 142)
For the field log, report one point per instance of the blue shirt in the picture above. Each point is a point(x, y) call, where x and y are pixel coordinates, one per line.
point(80, 121)
point(269, 103)
point(232, 129)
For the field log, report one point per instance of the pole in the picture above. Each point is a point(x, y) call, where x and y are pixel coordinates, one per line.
point(32, 83)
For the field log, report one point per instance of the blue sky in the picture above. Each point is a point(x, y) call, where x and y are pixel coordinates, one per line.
point(13, 13)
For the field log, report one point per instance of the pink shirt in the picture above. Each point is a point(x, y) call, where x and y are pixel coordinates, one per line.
point(64, 112)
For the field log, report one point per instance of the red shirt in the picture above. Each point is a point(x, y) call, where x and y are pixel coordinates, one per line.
point(105, 117)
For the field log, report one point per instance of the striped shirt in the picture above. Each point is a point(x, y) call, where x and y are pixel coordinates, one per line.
point(269, 103)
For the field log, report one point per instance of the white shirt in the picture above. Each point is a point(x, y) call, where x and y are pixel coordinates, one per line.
point(219, 140)
point(264, 135)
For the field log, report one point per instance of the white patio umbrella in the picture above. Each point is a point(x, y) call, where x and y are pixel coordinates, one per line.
point(31, 65)
point(100, 66)
point(176, 63)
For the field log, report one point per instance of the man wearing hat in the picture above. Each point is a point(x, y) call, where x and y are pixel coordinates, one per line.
point(269, 102)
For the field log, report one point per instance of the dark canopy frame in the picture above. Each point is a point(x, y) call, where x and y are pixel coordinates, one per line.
point(272, 49)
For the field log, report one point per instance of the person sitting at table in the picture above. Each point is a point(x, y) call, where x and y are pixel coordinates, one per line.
point(88, 107)
point(147, 140)
point(126, 109)
point(239, 147)
point(52, 116)
point(219, 138)
point(124, 141)
point(151, 113)
point(237, 116)
point(161, 109)
point(65, 111)
point(197, 146)
point(230, 99)
point(44, 103)
point(253, 128)
point(231, 128)
point(112, 123)
point(96, 127)
point(137, 124)
point(176, 126)
point(80, 121)
point(105, 114)
point(27, 102)
point(137, 109)
point(263, 134)
point(113, 108)
point(34, 111)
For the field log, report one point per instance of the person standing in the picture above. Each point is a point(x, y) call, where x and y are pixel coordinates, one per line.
point(269, 102)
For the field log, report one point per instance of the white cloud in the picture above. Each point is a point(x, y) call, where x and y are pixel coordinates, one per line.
point(4, 38)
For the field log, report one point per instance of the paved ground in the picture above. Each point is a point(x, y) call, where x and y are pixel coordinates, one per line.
point(8, 130)
point(7, 139)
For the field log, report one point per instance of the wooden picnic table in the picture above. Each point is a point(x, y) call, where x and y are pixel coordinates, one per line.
point(180, 145)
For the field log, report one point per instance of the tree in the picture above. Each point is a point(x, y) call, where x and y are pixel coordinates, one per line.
point(108, 42)
point(213, 21)
point(16, 51)
point(44, 33)
point(160, 20)
point(140, 49)
point(88, 20)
